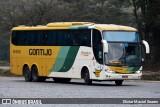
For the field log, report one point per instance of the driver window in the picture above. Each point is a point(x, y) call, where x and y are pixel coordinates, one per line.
point(97, 46)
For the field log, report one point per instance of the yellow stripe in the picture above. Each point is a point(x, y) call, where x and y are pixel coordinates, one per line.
point(118, 69)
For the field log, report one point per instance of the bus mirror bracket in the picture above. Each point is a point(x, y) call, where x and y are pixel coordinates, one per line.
point(105, 46)
point(146, 46)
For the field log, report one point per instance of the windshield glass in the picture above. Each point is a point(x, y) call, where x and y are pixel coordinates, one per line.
point(124, 54)
point(124, 48)
point(121, 36)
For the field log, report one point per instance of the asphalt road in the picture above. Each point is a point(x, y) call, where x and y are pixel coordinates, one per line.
point(16, 87)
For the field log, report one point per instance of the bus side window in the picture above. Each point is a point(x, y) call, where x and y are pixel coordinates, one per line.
point(39, 38)
point(19, 36)
point(22, 38)
point(60, 38)
point(15, 38)
point(31, 38)
point(35, 41)
point(97, 46)
point(75, 38)
point(44, 38)
point(85, 38)
point(51, 38)
point(65, 38)
point(26, 38)
point(69, 38)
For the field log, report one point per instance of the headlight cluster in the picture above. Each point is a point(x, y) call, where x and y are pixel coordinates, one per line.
point(109, 71)
point(138, 72)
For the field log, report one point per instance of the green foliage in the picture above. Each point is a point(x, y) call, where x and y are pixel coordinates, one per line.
point(4, 46)
point(7, 73)
point(147, 15)
point(41, 12)
point(4, 63)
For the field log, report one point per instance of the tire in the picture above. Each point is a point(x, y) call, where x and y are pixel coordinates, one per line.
point(87, 79)
point(118, 82)
point(61, 80)
point(35, 76)
point(27, 74)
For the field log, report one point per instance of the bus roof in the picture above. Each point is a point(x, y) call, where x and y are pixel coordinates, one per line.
point(76, 25)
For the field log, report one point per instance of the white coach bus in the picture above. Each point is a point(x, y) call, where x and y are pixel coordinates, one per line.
point(66, 50)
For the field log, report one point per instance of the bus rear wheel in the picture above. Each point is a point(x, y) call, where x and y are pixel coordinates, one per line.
point(118, 82)
point(35, 76)
point(87, 79)
point(27, 74)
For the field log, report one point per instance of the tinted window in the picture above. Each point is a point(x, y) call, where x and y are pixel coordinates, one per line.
point(97, 46)
point(76, 38)
point(52, 38)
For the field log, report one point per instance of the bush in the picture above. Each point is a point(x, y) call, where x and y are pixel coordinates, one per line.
point(7, 73)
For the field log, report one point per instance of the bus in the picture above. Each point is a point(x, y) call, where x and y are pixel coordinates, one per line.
point(80, 50)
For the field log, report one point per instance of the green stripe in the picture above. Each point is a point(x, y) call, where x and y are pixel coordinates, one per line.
point(70, 59)
point(136, 68)
point(73, 27)
point(60, 59)
point(78, 27)
point(83, 27)
point(132, 69)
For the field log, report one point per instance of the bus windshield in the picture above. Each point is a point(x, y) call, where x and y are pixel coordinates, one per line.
point(124, 48)
point(124, 54)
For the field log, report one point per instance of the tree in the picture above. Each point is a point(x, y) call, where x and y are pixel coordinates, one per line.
point(41, 12)
point(36, 10)
point(148, 19)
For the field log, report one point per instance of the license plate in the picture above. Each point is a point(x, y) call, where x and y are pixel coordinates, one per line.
point(125, 76)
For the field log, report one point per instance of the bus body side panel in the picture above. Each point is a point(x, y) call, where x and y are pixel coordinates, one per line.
point(33, 55)
point(13, 67)
point(85, 58)
point(64, 61)
point(13, 61)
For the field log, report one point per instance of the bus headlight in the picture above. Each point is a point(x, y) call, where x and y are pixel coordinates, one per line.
point(138, 72)
point(109, 71)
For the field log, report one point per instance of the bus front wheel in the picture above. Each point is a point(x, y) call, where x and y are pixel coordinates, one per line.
point(27, 74)
point(118, 82)
point(87, 79)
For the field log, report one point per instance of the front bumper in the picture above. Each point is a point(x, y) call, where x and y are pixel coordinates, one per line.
point(115, 76)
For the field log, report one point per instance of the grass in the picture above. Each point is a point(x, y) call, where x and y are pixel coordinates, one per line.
point(4, 63)
point(7, 73)
point(154, 76)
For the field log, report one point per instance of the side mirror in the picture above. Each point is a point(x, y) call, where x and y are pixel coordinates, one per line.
point(146, 46)
point(105, 46)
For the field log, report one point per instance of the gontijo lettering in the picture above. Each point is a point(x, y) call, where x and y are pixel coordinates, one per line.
point(42, 52)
